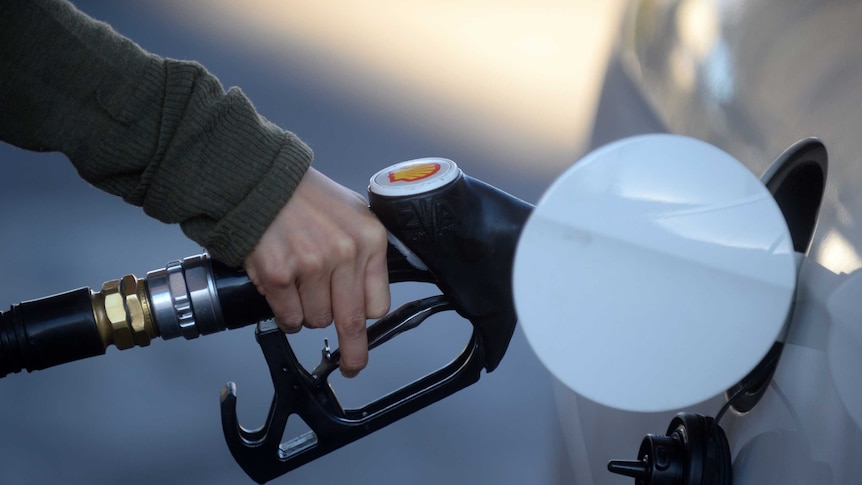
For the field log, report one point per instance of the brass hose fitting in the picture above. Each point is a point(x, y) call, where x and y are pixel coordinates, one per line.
point(122, 312)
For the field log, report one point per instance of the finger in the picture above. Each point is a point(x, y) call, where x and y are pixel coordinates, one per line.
point(377, 297)
point(348, 308)
point(316, 301)
point(286, 308)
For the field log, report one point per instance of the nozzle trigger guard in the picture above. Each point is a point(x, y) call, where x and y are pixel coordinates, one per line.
point(263, 455)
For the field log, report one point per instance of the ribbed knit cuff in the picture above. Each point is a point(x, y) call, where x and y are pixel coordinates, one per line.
point(236, 234)
point(207, 159)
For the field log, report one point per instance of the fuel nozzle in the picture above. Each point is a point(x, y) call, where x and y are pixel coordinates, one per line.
point(445, 228)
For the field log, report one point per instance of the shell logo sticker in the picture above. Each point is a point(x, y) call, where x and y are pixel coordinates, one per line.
point(414, 172)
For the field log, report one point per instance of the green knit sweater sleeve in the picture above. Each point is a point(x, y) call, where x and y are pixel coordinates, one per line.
point(160, 133)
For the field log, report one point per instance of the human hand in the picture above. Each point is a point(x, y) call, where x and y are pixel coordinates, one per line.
point(323, 258)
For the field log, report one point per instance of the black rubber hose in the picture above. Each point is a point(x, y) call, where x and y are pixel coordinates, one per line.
point(38, 334)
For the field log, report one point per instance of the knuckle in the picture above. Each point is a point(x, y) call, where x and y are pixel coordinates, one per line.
point(378, 309)
point(375, 236)
point(309, 262)
point(344, 248)
point(286, 314)
point(276, 276)
point(318, 319)
point(288, 323)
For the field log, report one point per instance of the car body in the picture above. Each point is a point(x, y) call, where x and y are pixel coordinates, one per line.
point(753, 78)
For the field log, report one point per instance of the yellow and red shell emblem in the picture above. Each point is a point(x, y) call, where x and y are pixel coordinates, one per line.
point(413, 173)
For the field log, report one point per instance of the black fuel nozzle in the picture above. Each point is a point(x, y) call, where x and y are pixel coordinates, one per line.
point(445, 228)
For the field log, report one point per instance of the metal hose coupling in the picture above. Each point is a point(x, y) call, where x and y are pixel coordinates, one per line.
point(181, 299)
point(184, 298)
point(122, 313)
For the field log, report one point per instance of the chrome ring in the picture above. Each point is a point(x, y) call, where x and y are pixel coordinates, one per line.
point(202, 291)
point(182, 303)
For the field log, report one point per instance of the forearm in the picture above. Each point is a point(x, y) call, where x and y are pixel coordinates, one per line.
point(159, 133)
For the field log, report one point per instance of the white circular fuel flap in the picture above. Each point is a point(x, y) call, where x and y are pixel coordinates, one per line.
point(414, 177)
point(654, 274)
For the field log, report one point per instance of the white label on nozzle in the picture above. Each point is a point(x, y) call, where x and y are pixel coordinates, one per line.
point(414, 177)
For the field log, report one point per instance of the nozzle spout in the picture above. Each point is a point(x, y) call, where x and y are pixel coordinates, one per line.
point(636, 469)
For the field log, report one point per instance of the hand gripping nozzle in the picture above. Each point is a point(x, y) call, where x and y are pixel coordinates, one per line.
point(445, 228)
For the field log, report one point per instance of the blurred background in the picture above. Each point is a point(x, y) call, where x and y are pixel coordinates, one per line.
point(515, 92)
point(507, 89)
